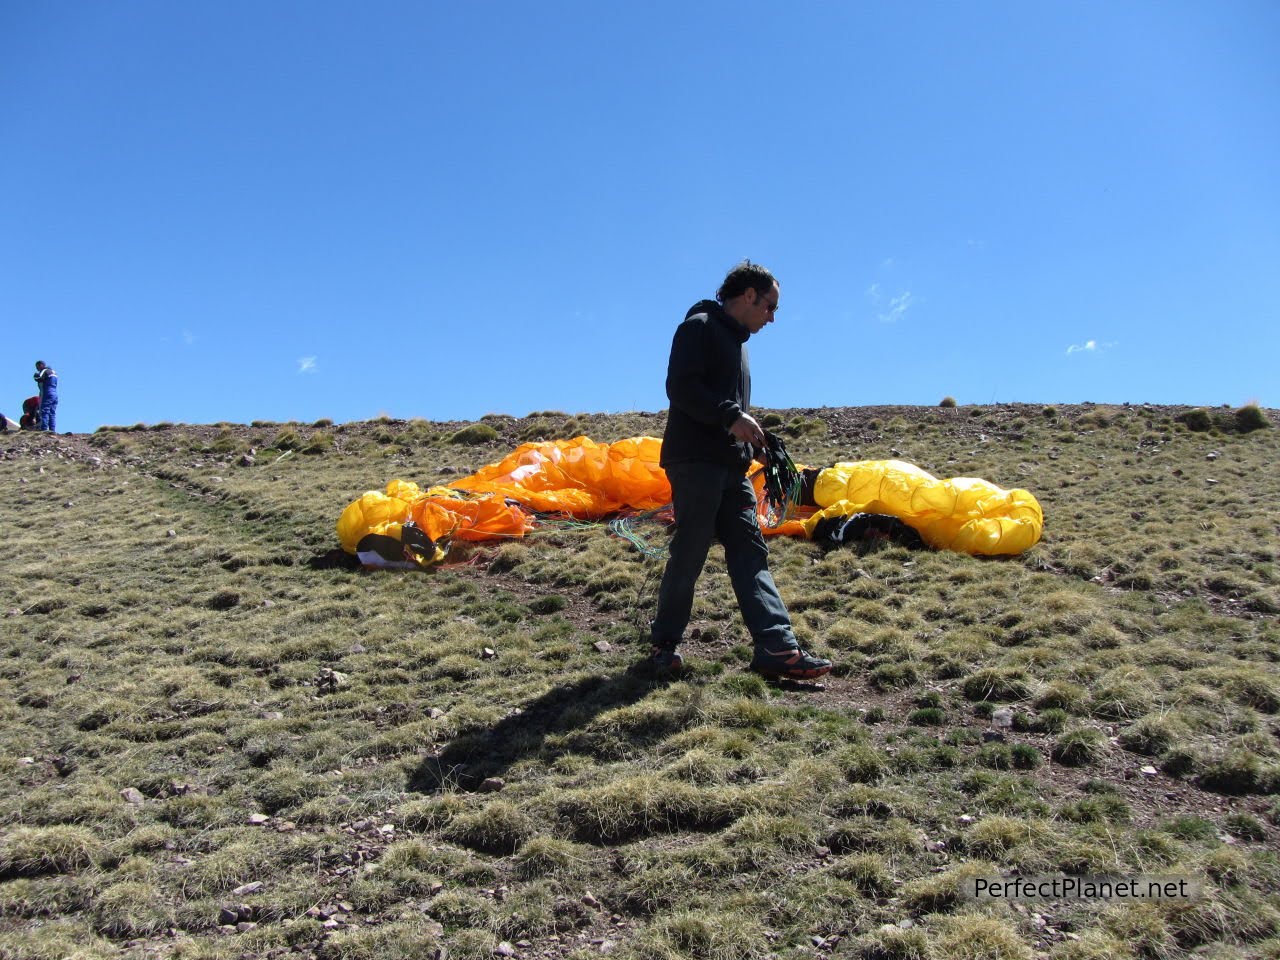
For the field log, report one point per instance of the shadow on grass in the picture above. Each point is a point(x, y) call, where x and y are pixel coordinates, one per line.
point(473, 757)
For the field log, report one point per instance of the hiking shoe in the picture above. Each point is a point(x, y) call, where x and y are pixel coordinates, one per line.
point(791, 663)
point(666, 660)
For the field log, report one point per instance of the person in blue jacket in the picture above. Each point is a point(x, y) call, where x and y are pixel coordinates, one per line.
point(710, 441)
point(47, 379)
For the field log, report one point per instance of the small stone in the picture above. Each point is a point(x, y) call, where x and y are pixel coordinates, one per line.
point(590, 900)
point(248, 888)
point(818, 941)
point(822, 851)
point(387, 829)
point(330, 680)
point(602, 646)
point(133, 795)
point(228, 916)
point(936, 846)
point(1149, 771)
point(315, 913)
point(493, 785)
point(286, 826)
point(1212, 455)
point(244, 926)
point(331, 924)
point(967, 818)
point(505, 949)
point(992, 736)
point(171, 533)
point(356, 648)
point(906, 923)
point(69, 503)
point(488, 653)
point(435, 713)
point(1002, 718)
point(268, 602)
point(256, 819)
point(64, 765)
point(246, 460)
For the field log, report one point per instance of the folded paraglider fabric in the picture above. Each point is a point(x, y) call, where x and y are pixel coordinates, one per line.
point(580, 478)
point(586, 480)
point(437, 516)
point(963, 514)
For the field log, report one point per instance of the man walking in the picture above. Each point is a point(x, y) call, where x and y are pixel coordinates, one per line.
point(706, 450)
point(47, 379)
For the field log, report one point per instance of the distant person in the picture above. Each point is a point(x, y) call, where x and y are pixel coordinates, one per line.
point(47, 379)
point(709, 443)
point(30, 419)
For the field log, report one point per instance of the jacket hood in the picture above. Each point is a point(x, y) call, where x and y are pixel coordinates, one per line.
point(714, 311)
point(709, 307)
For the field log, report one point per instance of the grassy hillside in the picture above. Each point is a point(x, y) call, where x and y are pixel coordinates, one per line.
point(215, 744)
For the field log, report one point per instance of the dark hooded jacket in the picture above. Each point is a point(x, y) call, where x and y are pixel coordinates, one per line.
point(709, 386)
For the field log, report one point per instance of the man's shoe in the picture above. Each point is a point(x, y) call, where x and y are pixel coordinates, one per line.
point(666, 660)
point(790, 663)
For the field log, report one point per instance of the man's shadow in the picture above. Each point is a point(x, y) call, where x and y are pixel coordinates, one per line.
point(475, 756)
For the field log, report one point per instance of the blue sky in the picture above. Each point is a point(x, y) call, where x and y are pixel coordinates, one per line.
point(287, 211)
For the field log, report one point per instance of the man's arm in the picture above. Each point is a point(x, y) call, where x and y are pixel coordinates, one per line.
point(687, 380)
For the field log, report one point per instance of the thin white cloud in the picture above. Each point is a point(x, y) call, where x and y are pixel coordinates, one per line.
point(898, 306)
point(873, 292)
point(1089, 346)
point(307, 365)
point(188, 337)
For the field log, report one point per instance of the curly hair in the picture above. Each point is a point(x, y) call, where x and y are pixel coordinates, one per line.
point(745, 276)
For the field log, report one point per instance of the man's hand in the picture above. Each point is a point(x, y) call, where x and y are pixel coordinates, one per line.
point(747, 430)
